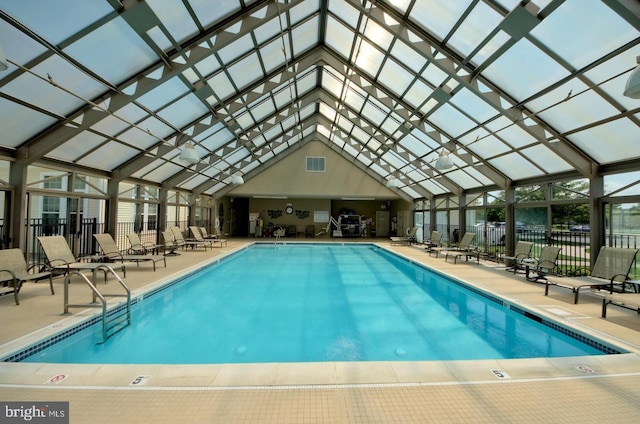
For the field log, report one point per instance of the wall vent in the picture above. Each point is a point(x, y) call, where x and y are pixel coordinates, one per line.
point(316, 164)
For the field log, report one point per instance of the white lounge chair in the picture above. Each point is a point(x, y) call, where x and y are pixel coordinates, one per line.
point(612, 266)
point(408, 239)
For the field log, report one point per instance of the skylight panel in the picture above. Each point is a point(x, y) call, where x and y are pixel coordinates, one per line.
point(621, 138)
point(408, 56)
point(41, 93)
point(163, 172)
point(305, 36)
point(373, 114)
point(475, 28)
point(262, 110)
point(208, 65)
point(271, 54)
point(395, 77)
point(451, 121)
point(239, 47)
point(418, 93)
point(184, 111)
point(377, 34)
point(113, 43)
point(546, 159)
point(473, 105)
point(434, 75)
point(109, 156)
point(415, 146)
point(339, 37)
point(163, 94)
point(461, 178)
point(212, 11)
point(175, 17)
point(581, 32)
point(221, 85)
point(77, 146)
point(303, 10)
point(141, 138)
point(345, 12)
point(515, 166)
point(57, 22)
point(246, 71)
point(516, 136)
point(20, 123)
point(583, 109)
point(524, 70)
point(438, 18)
point(368, 59)
point(489, 147)
point(267, 30)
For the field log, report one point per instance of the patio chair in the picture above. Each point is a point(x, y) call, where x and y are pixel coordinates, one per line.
point(521, 252)
point(112, 253)
point(197, 235)
point(538, 268)
point(139, 247)
point(184, 243)
point(60, 258)
point(464, 249)
point(170, 244)
point(205, 233)
point(629, 301)
point(14, 271)
point(408, 239)
point(435, 240)
point(612, 265)
point(463, 246)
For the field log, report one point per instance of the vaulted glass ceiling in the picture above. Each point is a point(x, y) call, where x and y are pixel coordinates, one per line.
point(515, 91)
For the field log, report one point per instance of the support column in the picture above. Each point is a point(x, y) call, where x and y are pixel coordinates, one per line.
point(112, 207)
point(19, 214)
point(596, 216)
point(509, 218)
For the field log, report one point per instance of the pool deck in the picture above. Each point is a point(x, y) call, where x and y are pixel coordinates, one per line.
point(557, 390)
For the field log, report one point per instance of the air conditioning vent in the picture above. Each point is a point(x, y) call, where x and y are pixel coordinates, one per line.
point(315, 164)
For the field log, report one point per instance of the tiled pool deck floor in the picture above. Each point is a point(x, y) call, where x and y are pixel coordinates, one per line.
point(564, 390)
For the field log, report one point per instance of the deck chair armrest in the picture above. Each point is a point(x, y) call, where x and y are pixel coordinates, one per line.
point(8, 271)
point(114, 255)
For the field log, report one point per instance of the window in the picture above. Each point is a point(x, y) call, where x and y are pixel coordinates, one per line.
point(315, 164)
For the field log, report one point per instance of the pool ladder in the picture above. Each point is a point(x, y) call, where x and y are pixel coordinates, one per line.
point(112, 321)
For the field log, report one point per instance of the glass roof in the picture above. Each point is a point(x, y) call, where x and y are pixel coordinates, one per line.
point(511, 90)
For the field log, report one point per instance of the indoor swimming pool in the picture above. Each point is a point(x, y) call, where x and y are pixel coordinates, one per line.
point(300, 302)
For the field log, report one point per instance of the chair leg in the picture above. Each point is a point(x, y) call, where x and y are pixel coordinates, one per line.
point(604, 308)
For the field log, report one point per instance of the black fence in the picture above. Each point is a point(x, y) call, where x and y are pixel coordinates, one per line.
point(575, 256)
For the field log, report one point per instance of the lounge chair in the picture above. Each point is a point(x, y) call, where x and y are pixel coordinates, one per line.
point(629, 301)
point(464, 249)
point(463, 246)
point(612, 265)
point(14, 271)
point(139, 247)
point(206, 235)
point(170, 244)
point(522, 251)
point(538, 268)
point(60, 258)
point(197, 235)
point(184, 243)
point(110, 251)
point(408, 239)
point(435, 240)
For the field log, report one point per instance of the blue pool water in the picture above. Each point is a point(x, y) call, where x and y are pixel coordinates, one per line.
point(326, 302)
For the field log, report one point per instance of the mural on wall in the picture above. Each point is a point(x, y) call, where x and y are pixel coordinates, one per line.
point(302, 214)
point(274, 214)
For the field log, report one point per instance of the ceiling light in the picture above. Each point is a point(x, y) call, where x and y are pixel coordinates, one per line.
point(237, 179)
point(444, 161)
point(632, 89)
point(189, 155)
point(393, 183)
